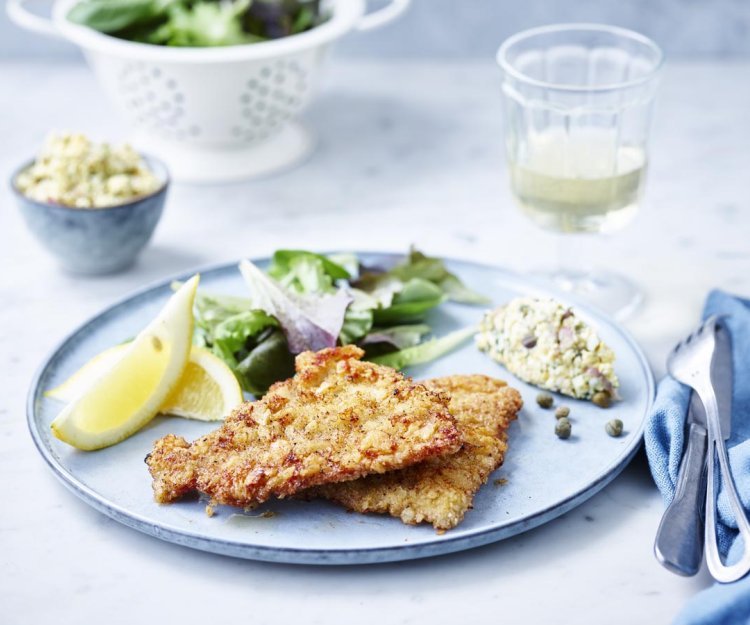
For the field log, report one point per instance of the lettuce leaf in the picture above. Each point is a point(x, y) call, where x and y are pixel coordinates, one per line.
point(398, 337)
point(357, 324)
point(231, 335)
point(415, 298)
point(419, 265)
point(307, 272)
point(309, 321)
point(283, 262)
point(427, 351)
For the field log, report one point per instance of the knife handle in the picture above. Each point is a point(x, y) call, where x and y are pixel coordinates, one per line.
point(679, 540)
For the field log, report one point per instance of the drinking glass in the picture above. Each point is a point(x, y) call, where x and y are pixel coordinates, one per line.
point(578, 106)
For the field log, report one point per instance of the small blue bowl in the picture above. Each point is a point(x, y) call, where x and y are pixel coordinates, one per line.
point(95, 241)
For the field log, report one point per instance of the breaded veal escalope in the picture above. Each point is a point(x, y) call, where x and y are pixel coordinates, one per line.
point(337, 419)
point(441, 490)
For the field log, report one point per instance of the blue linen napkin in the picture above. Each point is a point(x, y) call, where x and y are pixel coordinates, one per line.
point(664, 439)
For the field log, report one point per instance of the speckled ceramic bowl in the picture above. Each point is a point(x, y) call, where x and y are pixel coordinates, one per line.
point(95, 241)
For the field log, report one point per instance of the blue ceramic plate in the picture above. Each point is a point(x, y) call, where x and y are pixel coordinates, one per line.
point(545, 476)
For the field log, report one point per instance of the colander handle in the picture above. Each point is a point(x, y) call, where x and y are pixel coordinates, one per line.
point(381, 17)
point(21, 16)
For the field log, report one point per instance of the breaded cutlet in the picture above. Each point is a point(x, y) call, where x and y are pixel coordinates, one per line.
point(441, 490)
point(337, 419)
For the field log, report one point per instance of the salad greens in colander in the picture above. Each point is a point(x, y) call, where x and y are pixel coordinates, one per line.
point(308, 301)
point(198, 23)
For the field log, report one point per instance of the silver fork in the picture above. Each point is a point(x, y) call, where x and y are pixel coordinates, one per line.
point(690, 363)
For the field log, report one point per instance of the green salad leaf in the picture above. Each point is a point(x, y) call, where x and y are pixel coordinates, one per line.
point(427, 351)
point(232, 334)
point(357, 325)
point(415, 298)
point(398, 337)
point(306, 272)
point(286, 263)
point(421, 266)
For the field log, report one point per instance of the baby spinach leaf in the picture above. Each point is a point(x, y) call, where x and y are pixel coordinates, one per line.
point(269, 362)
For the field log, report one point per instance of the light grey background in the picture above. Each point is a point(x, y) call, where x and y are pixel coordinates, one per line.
point(448, 29)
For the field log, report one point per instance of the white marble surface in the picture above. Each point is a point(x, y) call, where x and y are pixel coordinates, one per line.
point(408, 153)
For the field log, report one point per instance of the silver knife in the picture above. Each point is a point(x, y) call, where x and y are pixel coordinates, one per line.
point(679, 539)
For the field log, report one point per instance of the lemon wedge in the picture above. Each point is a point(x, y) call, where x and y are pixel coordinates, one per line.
point(127, 395)
point(207, 390)
point(83, 379)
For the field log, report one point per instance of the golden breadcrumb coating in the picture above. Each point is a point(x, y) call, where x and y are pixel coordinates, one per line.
point(337, 419)
point(441, 490)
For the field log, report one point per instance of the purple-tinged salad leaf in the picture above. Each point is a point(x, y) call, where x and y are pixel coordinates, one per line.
point(309, 321)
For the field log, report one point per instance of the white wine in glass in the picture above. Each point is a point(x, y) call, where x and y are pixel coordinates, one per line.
point(578, 104)
point(579, 184)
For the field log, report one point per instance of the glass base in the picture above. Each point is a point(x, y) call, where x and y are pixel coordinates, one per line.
point(609, 292)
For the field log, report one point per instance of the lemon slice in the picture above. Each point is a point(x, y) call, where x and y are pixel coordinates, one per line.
point(206, 391)
point(126, 396)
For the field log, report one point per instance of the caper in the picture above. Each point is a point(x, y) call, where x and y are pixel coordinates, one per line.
point(528, 341)
point(561, 412)
point(614, 427)
point(563, 428)
point(602, 399)
point(545, 400)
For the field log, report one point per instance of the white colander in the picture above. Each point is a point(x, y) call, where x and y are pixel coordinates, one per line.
point(214, 114)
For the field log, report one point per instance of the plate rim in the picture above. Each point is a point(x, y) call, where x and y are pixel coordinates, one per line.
point(332, 556)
